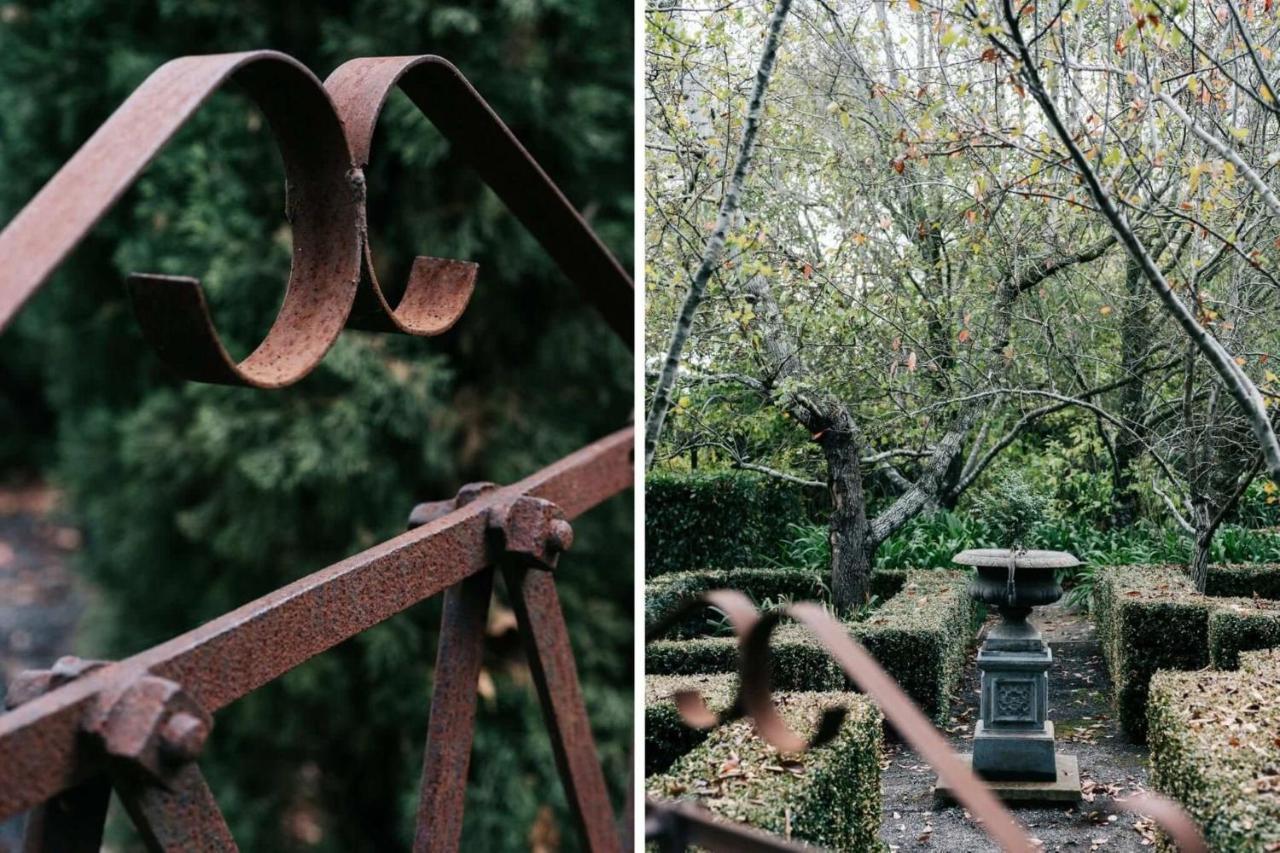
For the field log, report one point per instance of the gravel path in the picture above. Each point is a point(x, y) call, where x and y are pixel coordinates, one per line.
point(1110, 766)
point(41, 600)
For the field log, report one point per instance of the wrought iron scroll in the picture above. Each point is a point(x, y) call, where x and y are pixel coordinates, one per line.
point(81, 729)
point(674, 825)
point(332, 264)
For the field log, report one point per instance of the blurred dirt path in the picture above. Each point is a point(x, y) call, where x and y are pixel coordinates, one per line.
point(41, 600)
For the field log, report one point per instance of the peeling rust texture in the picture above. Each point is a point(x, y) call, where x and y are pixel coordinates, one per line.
point(674, 826)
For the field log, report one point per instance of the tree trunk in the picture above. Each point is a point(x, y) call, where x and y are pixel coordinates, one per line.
point(1135, 339)
point(1200, 559)
point(848, 529)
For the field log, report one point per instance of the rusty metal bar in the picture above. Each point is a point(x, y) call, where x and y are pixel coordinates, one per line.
point(453, 713)
point(537, 606)
point(221, 661)
point(324, 208)
point(178, 817)
point(71, 822)
point(360, 87)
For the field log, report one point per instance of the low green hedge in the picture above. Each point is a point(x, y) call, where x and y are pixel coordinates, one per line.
point(1245, 580)
point(1150, 618)
point(719, 519)
point(1214, 749)
point(1236, 629)
point(886, 583)
point(799, 663)
point(665, 593)
point(829, 796)
point(921, 636)
point(666, 737)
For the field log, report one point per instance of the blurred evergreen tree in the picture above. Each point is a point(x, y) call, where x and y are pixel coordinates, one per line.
point(196, 498)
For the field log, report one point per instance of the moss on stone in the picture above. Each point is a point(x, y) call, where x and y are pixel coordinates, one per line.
point(829, 796)
point(1214, 748)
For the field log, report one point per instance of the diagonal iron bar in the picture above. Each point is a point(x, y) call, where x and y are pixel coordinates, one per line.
point(40, 748)
point(453, 714)
point(537, 606)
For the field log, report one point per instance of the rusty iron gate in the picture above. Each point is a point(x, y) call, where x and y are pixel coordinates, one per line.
point(82, 729)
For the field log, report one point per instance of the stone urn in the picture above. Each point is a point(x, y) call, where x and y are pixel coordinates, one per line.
point(1014, 737)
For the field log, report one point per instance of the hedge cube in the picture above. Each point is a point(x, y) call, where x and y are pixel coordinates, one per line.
point(829, 796)
point(1239, 628)
point(665, 593)
point(666, 737)
point(1244, 580)
point(920, 636)
point(1214, 749)
point(1151, 618)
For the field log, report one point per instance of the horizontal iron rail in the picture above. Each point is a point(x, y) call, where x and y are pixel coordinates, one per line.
point(41, 750)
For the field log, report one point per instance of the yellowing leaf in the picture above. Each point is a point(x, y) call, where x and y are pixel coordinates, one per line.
point(1105, 310)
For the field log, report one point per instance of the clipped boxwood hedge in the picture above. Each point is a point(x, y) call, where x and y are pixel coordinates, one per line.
point(1236, 629)
point(666, 737)
point(719, 519)
point(829, 796)
point(1245, 580)
point(1214, 749)
point(665, 593)
point(921, 637)
point(1150, 618)
point(799, 663)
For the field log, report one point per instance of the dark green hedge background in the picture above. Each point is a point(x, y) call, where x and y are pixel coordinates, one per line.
point(195, 499)
point(722, 519)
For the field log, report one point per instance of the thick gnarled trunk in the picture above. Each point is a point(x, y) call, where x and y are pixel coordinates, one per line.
point(848, 529)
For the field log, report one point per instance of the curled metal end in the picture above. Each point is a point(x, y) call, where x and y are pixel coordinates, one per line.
point(438, 292)
point(175, 319)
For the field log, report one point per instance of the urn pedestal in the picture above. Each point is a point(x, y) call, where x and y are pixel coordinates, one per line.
point(1014, 741)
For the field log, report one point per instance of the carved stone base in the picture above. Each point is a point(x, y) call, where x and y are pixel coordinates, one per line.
point(1021, 754)
point(1063, 788)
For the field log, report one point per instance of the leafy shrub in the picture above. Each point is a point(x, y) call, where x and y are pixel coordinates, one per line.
point(1151, 618)
point(1237, 629)
point(721, 519)
point(799, 663)
point(665, 593)
point(1244, 579)
point(833, 798)
point(666, 736)
point(1214, 750)
point(1013, 507)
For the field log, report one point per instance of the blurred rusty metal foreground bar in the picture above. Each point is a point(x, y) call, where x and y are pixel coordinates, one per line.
point(82, 729)
point(674, 825)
